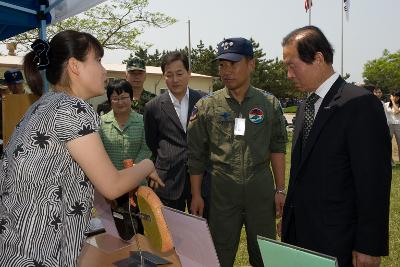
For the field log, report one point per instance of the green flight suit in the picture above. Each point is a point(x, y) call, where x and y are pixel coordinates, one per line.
point(242, 184)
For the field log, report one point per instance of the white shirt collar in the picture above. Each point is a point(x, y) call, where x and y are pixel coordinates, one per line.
point(175, 100)
point(181, 107)
point(325, 86)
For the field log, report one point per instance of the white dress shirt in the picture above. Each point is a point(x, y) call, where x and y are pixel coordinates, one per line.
point(323, 90)
point(181, 108)
point(392, 118)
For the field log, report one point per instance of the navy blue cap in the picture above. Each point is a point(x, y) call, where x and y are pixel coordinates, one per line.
point(234, 49)
point(13, 76)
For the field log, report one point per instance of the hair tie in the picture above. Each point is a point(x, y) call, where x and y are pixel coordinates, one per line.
point(41, 49)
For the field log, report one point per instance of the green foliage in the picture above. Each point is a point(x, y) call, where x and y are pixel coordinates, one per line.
point(392, 260)
point(150, 59)
point(269, 74)
point(384, 72)
point(394, 222)
point(203, 60)
point(116, 24)
point(292, 109)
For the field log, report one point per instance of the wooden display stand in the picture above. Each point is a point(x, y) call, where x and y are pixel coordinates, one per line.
point(13, 108)
point(108, 249)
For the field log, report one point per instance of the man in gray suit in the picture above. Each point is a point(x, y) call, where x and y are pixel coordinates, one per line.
point(165, 121)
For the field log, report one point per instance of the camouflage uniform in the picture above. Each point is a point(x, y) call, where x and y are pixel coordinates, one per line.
point(138, 64)
point(138, 105)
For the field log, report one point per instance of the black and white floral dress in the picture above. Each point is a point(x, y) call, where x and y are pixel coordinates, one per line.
point(45, 197)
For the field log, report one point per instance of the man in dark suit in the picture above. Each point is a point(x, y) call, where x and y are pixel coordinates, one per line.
point(339, 188)
point(165, 121)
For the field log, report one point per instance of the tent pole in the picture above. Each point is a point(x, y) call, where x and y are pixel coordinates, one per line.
point(19, 8)
point(42, 29)
point(42, 35)
point(53, 5)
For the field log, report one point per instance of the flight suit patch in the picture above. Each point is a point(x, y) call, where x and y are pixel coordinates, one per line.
point(256, 115)
point(193, 116)
point(225, 117)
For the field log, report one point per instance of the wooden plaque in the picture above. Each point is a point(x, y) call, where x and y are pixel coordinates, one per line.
point(13, 109)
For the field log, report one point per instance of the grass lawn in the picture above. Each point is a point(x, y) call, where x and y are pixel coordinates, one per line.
point(393, 260)
point(291, 109)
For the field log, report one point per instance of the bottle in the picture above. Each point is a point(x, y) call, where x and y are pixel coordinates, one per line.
point(127, 164)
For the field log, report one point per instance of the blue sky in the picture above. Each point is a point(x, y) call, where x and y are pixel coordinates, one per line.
point(372, 27)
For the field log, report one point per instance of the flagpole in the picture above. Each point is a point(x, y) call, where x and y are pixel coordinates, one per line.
point(309, 16)
point(190, 47)
point(341, 69)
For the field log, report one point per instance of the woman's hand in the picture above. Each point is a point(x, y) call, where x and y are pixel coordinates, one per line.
point(155, 180)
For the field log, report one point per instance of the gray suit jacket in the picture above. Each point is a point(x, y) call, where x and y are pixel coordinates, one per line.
point(168, 142)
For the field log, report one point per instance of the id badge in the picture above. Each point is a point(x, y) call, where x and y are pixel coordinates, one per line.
point(240, 125)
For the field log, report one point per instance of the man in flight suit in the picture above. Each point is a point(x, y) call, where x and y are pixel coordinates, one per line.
point(241, 129)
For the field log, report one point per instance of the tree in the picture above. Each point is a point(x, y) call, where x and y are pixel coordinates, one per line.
point(203, 60)
point(155, 59)
point(151, 60)
point(116, 24)
point(269, 74)
point(384, 72)
point(140, 53)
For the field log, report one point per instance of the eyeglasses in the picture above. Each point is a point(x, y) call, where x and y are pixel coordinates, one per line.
point(123, 98)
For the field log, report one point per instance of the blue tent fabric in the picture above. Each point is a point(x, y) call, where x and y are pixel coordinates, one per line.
point(13, 22)
point(18, 16)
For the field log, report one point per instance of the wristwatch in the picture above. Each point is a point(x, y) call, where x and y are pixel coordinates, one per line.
point(281, 191)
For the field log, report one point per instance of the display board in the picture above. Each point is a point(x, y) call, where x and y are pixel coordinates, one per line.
point(13, 108)
point(279, 254)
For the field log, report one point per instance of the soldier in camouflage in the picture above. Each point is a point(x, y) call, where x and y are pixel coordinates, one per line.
point(136, 75)
point(241, 129)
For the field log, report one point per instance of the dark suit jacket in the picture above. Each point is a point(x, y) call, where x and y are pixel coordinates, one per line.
point(168, 142)
point(339, 189)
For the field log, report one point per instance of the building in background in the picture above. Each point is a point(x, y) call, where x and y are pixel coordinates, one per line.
point(154, 82)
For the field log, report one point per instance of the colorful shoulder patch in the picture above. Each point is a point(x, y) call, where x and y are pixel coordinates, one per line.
point(193, 116)
point(256, 115)
point(207, 95)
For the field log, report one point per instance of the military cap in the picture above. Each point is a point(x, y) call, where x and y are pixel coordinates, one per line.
point(13, 76)
point(234, 49)
point(135, 64)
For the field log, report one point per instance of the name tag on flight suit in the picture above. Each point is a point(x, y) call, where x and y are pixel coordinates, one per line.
point(240, 125)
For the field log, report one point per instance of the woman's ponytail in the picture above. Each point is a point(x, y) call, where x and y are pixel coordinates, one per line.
point(32, 75)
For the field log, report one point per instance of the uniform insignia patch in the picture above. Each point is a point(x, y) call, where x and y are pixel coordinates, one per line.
point(256, 115)
point(225, 116)
point(207, 95)
point(193, 116)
